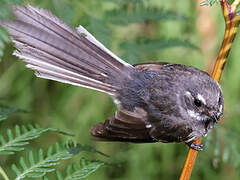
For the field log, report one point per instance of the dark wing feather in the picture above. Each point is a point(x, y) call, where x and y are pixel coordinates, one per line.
point(125, 126)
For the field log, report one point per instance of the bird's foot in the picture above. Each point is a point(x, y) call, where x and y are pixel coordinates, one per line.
point(197, 147)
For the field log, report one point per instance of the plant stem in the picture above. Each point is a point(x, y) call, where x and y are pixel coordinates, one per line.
point(4, 175)
point(232, 23)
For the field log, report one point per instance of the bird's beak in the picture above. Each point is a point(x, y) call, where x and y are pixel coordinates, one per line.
point(214, 117)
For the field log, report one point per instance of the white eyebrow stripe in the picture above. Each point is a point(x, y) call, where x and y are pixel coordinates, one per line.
point(187, 93)
point(200, 97)
point(221, 108)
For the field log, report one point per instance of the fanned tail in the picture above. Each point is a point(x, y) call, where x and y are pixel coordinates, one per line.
point(58, 52)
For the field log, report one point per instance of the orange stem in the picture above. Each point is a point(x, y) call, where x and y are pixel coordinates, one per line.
point(231, 23)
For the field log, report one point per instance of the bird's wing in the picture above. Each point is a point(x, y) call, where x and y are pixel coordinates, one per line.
point(125, 126)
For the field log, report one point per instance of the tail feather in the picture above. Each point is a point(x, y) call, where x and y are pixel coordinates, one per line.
point(56, 51)
point(49, 71)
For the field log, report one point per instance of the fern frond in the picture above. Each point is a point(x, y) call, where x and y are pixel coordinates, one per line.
point(5, 13)
point(223, 146)
point(122, 16)
point(42, 163)
point(19, 137)
point(100, 30)
point(76, 148)
point(149, 45)
point(3, 39)
point(231, 150)
point(5, 111)
point(209, 2)
point(131, 49)
point(80, 170)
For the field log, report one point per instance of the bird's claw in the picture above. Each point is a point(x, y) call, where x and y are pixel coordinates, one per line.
point(197, 147)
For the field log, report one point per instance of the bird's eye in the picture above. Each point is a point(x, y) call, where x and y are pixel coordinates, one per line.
point(197, 102)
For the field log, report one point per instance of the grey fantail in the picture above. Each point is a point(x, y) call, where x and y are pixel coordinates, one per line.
point(157, 102)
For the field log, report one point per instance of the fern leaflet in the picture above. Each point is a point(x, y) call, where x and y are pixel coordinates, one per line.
point(80, 170)
point(75, 149)
point(20, 137)
point(208, 2)
point(3, 39)
point(42, 164)
point(131, 49)
point(5, 111)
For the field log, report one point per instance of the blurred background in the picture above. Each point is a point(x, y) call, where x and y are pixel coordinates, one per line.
point(138, 31)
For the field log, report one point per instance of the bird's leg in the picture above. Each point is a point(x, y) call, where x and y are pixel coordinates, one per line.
point(197, 147)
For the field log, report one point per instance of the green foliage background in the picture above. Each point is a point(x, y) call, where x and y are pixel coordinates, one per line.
point(138, 31)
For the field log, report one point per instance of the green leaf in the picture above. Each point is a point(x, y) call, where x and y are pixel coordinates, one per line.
point(40, 163)
point(5, 111)
point(139, 15)
point(19, 137)
point(80, 170)
point(231, 150)
point(209, 2)
point(100, 31)
point(3, 40)
point(5, 13)
point(76, 148)
point(132, 49)
point(3, 36)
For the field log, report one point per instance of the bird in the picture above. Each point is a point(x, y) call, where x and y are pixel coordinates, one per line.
point(156, 101)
